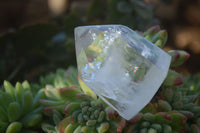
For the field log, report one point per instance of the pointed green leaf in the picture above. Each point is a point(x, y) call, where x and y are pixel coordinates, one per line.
point(31, 120)
point(9, 89)
point(19, 93)
point(14, 127)
point(28, 102)
point(173, 79)
point(178, 57)
point(14, 111)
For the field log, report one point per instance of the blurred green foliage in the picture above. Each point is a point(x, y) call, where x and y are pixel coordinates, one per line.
point(137, 14)
point(33, 50)
point(38, 48)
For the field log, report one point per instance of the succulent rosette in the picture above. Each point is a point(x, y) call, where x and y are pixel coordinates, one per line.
point(91, 116)
point(20, 111)
point(81, 112)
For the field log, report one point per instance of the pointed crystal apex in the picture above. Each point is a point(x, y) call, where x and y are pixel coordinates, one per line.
point(120, 66)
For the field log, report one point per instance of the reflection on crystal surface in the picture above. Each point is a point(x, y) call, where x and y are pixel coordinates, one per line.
point(119, 65)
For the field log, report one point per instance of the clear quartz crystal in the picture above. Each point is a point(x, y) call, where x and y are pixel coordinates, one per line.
point(120, 66)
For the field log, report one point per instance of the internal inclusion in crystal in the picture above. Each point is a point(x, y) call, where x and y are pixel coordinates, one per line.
point(124, 76)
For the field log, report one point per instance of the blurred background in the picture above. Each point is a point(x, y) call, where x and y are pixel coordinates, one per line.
point(36, 36)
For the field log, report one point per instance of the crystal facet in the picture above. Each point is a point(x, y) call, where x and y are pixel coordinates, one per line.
point(120, 66)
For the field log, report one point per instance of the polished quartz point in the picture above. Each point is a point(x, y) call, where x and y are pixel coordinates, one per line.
point(120, 66)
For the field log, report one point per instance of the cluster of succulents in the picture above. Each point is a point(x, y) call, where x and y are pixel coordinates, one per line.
point(81, 112)
point(64, 104)
point(19, 108)
point(90, 116)
point(173, 110)
point(160, 122)
point(61, 78)
point(185, 102)
point(60, 89)
point(160, 116)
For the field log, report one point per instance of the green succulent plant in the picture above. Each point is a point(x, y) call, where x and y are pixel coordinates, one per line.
point(160, 122)
point(58, 98)
point(91, 116)
point(183, 101)
point(61, 78)
point(70, 103)
point(82, 111)
point(192, 83)
point(59, 88)
point(177, 93)
point(20, 111)
point(159, 115)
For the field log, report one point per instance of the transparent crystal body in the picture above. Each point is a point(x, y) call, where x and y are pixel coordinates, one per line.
point(120, 66)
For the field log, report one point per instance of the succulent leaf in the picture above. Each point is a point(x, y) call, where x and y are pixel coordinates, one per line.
point(48, 128)
point(103, 128)
point(70, 128)
point(31, 120)
point(164, 106)
point(178, 57)
point(26, 86)
point(160, 38)
point(28, 102)
point(136, 118)
point(156, 36)
point(14, 111)
point(152, 30)
point(52, 93)
point(14, 127)
point(168, 92)
point(63, 124)
point(195, 128)
point(71, 107)
point(19, 93)
point(86, 89)
point(3, 115)
point(173, 79)
point(157, 127)
point(57, 117)
point(39, 95)
point(69, 92)
point(9, 89)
